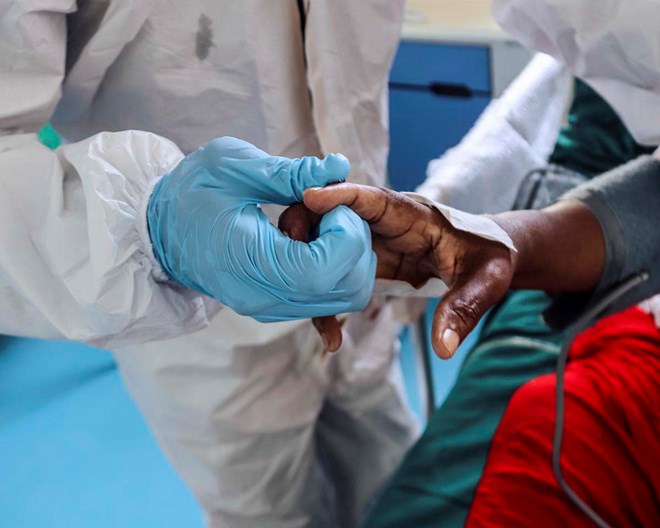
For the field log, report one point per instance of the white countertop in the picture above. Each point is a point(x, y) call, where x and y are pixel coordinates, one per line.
point(459, 21)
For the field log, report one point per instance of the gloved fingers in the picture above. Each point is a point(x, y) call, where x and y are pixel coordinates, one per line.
point(342, 247)
point(290, 311)
point(234, 148)
point(303, 173)
point(251, 175)
point(297, 222)
point(338, 264)
point(275, 278)
point(329, 329)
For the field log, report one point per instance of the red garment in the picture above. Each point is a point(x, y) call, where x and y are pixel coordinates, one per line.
point(611, 450)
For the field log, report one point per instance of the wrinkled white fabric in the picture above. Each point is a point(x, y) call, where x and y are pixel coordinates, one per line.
point(76, 260)
point(478, 225)
point(247, 427)
point(652, 306)
point(265, 435)
point(614, 45)
point(513, 136)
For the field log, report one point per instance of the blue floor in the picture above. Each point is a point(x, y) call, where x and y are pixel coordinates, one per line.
point(74, 452)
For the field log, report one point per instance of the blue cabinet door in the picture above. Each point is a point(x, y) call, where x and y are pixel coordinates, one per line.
point(423, 126)
point(437, 92)
point(422, 64)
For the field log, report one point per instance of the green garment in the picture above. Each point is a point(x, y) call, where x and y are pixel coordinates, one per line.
point(436, 481)
point(595, 139)
point(49, 137)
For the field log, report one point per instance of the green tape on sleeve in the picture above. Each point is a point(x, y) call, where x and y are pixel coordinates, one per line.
point(49, 136)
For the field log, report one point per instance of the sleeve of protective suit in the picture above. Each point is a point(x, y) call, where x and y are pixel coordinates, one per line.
point(76, 261)
point(611, 44)
point(626, 202)
point(513, 136)
point(349, 48)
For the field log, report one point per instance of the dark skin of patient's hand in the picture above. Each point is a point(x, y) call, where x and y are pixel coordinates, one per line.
point(559, 248)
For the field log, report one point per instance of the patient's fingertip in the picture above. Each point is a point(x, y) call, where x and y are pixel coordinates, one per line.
point(450, 340)
point(308, 194)
point(334, 345)
point(311, 198)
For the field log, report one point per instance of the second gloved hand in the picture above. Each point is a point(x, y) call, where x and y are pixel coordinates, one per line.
point(210, 234)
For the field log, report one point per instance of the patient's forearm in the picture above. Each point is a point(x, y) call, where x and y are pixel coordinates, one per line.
point(560, 248)
point(600, 234)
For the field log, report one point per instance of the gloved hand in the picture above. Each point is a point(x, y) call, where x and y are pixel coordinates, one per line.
point(210, 234)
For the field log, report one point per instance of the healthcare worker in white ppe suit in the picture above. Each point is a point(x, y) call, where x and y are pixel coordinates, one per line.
point(128, 240)
point(614, 45)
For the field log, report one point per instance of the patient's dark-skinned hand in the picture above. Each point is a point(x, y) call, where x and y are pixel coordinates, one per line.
point(413, 243)
point(560, 248)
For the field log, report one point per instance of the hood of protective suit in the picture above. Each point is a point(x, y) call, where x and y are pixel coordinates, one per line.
point(613, 45)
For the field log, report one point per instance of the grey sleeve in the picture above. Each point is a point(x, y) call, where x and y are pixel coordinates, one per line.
point(626, 202)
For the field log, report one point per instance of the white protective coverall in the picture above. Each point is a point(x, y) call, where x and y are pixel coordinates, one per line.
point(613, 45)
point(252, 420)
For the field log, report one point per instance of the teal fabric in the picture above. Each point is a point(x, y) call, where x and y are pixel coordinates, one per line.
point(49, 136)
point(594, 140)
point(435, 483)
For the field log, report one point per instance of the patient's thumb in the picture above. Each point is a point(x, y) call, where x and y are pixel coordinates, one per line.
point(320, 199)
point(456, 316)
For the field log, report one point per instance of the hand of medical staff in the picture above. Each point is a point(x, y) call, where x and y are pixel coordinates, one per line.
point(210, 234)
point(413, 243)
point(299, 223)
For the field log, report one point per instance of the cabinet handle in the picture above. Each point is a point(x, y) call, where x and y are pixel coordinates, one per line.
point(460, 91)
point(451, 90)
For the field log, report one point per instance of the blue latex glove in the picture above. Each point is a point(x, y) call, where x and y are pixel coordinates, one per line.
point(210, 234)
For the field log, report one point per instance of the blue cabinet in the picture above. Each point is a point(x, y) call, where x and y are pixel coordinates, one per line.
point(437, 92)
